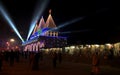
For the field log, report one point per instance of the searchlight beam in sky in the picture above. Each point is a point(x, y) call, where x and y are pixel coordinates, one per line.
point(77, 31)
point(68, 23)
point(9, 20)
point(39, 9)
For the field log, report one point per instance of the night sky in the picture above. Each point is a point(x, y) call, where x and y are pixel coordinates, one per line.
point(97, 27)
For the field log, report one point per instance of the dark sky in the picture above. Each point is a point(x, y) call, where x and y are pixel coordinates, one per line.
point(97, 26)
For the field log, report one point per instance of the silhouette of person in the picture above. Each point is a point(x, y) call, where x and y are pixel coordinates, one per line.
point(31, 58)
point(11, 58)
point(36, 61)
point(95, 64)
point(1, 59)
point(59, 56)
point(54, 59)
point(41, 55)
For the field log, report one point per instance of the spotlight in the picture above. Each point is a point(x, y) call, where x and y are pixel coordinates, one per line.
point(77, 31)
point(39, 9)
point(9, 20)
point(68, 23)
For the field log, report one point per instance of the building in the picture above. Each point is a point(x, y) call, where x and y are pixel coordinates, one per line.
point(45, 36)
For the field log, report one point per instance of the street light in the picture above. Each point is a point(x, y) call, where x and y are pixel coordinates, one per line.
point(12, 40)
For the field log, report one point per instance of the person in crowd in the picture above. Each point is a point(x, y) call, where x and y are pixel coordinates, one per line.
point(95, 64)
point(41, 55)
point(60, 56)
point(54, 59)
point(1, 60)
point(31, 57)
point(17, 55)
point(12, 56)
point(6, 56)
point(36, 61)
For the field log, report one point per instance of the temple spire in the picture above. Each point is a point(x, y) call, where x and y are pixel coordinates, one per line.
point(41, 23)
point(50, 11)
point(50, 22)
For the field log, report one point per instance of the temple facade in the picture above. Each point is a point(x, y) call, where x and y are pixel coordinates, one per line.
point(45, 36)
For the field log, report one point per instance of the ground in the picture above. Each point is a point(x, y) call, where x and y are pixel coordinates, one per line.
point(46, 68)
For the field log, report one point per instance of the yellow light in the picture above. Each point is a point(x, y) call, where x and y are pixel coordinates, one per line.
point(12, 40)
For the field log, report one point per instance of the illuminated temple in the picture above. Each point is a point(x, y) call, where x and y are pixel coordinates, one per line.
point(45, 36)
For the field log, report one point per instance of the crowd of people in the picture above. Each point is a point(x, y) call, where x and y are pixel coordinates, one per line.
point(34, 58)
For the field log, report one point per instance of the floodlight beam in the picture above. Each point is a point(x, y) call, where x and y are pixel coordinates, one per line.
point(9, 20)
point(39, 9)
